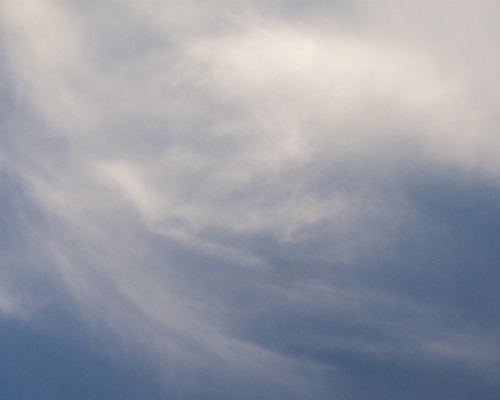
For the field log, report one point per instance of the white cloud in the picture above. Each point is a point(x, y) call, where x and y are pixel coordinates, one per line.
point(183, 151)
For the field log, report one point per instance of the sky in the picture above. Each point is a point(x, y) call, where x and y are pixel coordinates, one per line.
point(247, 199)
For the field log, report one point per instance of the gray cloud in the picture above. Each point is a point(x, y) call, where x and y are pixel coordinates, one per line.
point(259, 197)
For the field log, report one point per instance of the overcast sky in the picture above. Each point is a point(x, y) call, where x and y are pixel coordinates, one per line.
point(250, 199)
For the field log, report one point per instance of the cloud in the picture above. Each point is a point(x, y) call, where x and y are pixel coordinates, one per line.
point(247, 192)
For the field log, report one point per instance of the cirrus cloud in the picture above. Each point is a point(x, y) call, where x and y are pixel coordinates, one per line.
point(259, 198)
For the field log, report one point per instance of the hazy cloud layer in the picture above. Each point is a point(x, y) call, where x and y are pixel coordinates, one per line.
point(263, 199)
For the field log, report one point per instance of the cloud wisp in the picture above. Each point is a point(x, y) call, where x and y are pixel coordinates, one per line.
point(263, 198)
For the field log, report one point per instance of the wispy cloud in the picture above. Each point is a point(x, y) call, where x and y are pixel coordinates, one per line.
point(248, 193)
